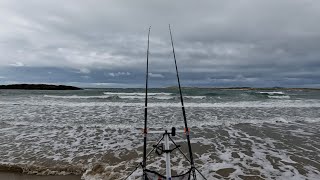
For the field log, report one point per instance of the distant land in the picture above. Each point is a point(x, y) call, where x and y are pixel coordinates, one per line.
point(39, 87)
point(247, 88)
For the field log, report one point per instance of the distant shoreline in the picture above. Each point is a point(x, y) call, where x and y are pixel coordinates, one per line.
point(66, 87)
point(39, 87)
point(248, 88)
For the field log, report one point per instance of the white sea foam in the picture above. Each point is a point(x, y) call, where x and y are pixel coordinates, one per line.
point(278, 120)
point(195, 97)
point(272, 92)
point(142, 97)
point(163, 97)
point(121, 96)
point(136, 94)
point(270, 103)
point(55, 132)
point(76, 97)
point(279, 97)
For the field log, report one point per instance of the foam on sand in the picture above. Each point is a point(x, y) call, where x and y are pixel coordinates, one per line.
point(19, 176)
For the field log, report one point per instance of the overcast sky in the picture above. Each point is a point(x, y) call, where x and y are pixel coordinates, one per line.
point(261, 43)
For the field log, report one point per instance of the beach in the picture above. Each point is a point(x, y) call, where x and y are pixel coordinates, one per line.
point(18, 176)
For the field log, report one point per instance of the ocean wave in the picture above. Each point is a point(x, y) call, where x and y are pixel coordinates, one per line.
point(62, 125)
point(159, 96)
point(136, 94)
point(213, 121)
point(194, 97)
point(77, 97)
point(270, 103)
point(279, 97)
point(142, 97)
point(272, 92)
point(113, 97)
point(213, 94)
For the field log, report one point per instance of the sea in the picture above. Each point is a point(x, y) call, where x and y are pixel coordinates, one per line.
point(97, 133)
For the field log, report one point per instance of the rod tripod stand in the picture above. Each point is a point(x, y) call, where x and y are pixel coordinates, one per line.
point(164, 148)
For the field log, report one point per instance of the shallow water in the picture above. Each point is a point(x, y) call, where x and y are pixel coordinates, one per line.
point(19, 176)
point(235, 134)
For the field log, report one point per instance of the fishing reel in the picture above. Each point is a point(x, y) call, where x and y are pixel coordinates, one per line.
point(159, 149)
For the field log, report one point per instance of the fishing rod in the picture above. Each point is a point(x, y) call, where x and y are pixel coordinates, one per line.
point(182, 106)
point(166, 137)
point(145, 131)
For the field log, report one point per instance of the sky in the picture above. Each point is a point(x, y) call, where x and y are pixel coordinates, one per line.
point(229, 43)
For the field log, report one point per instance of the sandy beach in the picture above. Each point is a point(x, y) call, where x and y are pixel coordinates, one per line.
point(19, 176)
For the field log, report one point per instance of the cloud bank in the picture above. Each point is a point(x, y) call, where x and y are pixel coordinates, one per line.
point(218, 43)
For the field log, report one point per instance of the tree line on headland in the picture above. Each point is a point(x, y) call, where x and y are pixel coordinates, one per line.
point(39, 87)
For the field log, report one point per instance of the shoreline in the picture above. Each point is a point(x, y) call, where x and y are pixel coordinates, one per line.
point(250, 88)
point(22, 176)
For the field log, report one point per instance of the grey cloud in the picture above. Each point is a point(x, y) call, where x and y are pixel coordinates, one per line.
point(267, 43)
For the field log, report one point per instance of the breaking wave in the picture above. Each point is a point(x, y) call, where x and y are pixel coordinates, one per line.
point(137, 94)
point(279, 97)
point(269, 103)
point(272, 93)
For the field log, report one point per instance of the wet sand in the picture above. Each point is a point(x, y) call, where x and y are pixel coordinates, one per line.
point(20, 176)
